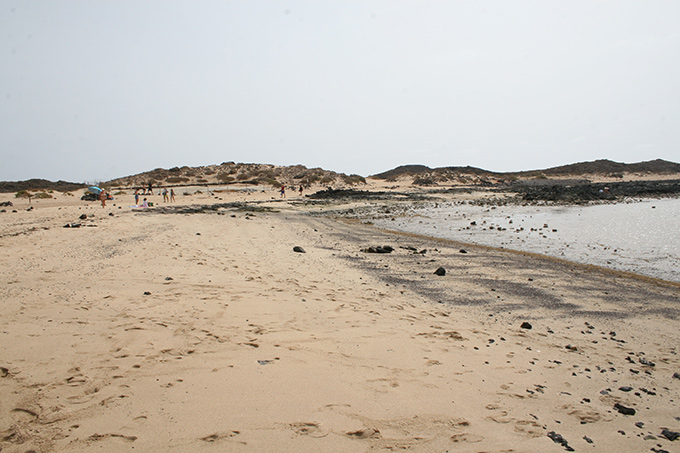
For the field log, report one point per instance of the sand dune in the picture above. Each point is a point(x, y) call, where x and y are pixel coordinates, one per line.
point(207, 332)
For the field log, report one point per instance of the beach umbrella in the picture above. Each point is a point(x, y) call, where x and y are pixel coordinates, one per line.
point(95, 189)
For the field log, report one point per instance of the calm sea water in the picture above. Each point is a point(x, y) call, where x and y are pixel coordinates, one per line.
point(641, 237)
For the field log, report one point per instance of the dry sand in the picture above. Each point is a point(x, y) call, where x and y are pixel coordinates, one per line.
point(206, 332)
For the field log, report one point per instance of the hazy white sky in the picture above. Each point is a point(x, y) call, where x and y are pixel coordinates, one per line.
point(101, 89)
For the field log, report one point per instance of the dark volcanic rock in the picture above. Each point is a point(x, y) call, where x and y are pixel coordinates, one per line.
point(526, 325)
point(624, 410)
point(298, 249)
point(558, 439)
point(440, 271)
point(379, 249)
point(670, 435)
point(581, 192)
point(644, 361)
point(350, 194)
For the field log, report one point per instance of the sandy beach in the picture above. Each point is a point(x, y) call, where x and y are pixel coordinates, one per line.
point(187, 329)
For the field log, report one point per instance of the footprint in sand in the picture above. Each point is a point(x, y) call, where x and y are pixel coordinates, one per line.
point(216, 437)
point(585, 414)
point(499, 417)
point(365, 433)
point(529, 427)
point(98, 437)
point(24, 414)
point(309, 429)
point(466, 437)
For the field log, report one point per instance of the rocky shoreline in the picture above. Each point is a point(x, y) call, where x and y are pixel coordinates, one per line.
point(585, 191)
point(569, 191)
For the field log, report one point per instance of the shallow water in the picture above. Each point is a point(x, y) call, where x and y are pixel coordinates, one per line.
point(641, 237)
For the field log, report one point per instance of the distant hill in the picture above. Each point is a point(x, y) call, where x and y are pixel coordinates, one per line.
point(605, 166)
point(426, 176)
point(238, 173)
point(39, 184)
point(423, 175)
point(403, 170)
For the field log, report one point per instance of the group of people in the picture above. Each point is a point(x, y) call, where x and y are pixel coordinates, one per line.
point(168, 196)
point(283, 191)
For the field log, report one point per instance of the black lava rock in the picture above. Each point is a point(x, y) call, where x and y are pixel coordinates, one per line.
point(379, 249)
point(526, 325)
point(558, 439)
point(670, 435)
point(624, 410)
point(440, 271)
point(644, 361)
point(298, 249)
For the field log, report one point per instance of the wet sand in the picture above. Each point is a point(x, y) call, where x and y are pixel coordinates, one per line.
point(168, 331)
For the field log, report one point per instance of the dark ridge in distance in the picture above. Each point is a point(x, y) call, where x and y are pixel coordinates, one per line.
point(601, 166)
point(39, 184)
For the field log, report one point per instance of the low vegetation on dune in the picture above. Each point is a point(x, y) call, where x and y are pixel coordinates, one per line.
point(239, 173)
point(33, 194)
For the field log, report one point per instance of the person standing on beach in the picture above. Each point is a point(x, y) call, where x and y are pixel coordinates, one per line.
point(172, 195)
point(102, 198)
point(283, 191)
point(137, 197)
point(150, 189)
point(300, 189)
point(165, 194)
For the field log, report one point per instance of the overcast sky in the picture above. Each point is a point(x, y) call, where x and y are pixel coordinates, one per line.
point(93, 90)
